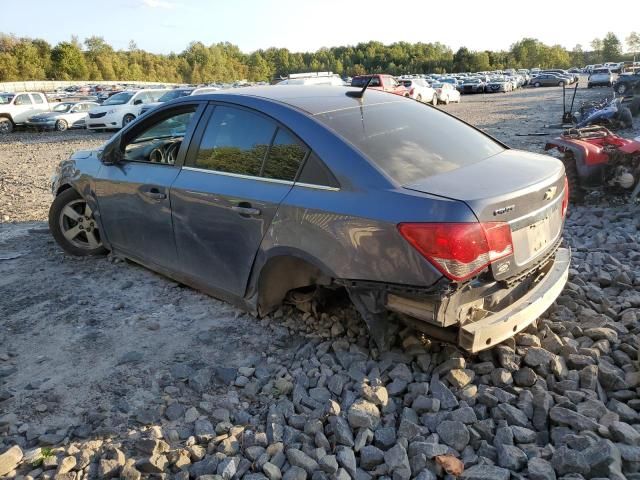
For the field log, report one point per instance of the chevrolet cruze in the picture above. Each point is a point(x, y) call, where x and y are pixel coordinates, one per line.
point(252, 193)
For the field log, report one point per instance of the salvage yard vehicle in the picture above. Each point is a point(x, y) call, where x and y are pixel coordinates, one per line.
point(16, 108)
point(472, 85)
point(420, 90)
point(498, 84)
point(62, 116)
point(596, 159)
point(121, 109)
point(549, 80)
point(249, 194)
point(600, 77)
point(177, 93)
point(626, 84)
point(385, 83)
point(446, 93)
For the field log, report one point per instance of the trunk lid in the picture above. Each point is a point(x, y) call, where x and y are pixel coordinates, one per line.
point(521, 188)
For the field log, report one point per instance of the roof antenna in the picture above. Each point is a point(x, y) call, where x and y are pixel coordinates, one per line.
point(360, 93)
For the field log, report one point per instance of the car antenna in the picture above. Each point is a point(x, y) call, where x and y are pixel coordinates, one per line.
point(359, 93)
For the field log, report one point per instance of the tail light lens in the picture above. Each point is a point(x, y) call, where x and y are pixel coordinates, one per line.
point(459, 250)
point(565, 199)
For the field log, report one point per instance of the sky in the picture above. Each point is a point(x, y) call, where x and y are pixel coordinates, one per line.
point(163, 26)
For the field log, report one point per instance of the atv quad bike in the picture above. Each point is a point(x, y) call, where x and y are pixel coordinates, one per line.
point(596, 159)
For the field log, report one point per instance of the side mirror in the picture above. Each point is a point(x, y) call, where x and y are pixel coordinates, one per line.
point(137, 102)
point(112, 153)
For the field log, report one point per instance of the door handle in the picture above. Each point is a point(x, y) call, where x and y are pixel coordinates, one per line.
point(248, 211)
point(154, 194)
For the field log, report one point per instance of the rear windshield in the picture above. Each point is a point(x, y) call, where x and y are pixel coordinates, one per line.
point(410, 141)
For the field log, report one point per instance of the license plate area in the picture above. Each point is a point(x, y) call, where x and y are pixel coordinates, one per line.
point(537, 236)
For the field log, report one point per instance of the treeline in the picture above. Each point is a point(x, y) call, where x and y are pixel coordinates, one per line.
point(94, 59)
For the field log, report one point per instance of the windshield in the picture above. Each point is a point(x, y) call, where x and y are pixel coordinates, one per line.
point(63, 107)
point(393, 136)
point(601, 70)
point(448, 80)
point(472, 80)
point(6, 98)
point(173, 94)
point(436, 84)
point(119, 98)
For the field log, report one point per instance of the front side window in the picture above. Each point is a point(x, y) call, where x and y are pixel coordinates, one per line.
point(160, 142)
point(285, 157)
point(235, 141)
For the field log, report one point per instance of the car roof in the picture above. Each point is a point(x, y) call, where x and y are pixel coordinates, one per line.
point(313, 99)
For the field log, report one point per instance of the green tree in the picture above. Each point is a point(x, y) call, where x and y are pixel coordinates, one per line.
point(611, 47)
point(68, 62)
point(633, 43)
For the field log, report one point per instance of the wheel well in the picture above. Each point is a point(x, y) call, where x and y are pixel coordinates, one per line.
point(282, 274)
point(62, 188)
point(6, 115)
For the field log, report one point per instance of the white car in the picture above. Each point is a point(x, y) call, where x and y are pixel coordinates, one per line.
point(600, 77)
point(446, 92)
point(121, 109)
point(62, 116)
point(176, 93)
point(16, 108)
point(420, 90)
point(313, 78)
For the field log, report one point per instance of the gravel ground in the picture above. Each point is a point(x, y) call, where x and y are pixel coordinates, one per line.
point(108, 370)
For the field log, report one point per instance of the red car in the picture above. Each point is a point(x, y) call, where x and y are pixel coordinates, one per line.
point(383, 82)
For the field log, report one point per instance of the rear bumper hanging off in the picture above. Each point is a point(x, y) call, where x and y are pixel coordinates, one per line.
point(495, 328)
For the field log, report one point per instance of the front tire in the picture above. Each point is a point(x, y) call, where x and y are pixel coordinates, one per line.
point(73, 226)
point(576, 192)
point(128, 118)
point(419, 98)
point(537, 84)
point(446, 100)
point(561, 84)
point(6, 125)
point(61, 125)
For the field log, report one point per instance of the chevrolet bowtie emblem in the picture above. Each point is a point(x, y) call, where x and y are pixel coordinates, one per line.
point(550, 193)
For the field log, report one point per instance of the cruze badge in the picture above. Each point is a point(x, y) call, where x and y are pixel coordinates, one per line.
point(503, 210)
point(550, 193)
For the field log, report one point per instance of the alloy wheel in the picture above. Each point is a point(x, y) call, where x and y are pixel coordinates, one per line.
point(78, 225)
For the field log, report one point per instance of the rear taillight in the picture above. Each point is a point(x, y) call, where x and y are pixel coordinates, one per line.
point(459, 250)
point(411, 92)
point(565, 199)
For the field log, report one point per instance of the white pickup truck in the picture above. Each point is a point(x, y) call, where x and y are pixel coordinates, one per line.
point(16, 108)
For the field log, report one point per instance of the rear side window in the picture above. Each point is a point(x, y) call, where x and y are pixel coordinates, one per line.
point(37, 98)
point(235, 141)
point(410, 141)
point(315, 172)
point(285, 157)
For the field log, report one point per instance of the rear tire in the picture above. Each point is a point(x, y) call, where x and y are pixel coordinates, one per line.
point(73, 225)
point(434, 100)
point(61, 125)
point(537, 84)
point(6, 125)
point(576, 192)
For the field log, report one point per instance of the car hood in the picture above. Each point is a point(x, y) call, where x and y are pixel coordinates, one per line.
point(49, 115)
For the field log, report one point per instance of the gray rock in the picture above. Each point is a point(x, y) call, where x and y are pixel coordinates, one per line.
point(271, 471)
point(227, 468)
point(537, 356)
point(455, 434)
point(363, 414)
point(602, 458)
point(10, 459)
point(511, 457)
point(342, 432)
point(525, 377)
point(347, 460)
point(540, 469)
point(592, 408)
point(329, 464)
point(300, 459)
point(624, 433)
point(174, 411)
point(513, 415)
point(153, 464)
point(523, 435)
point(385, 437)
point(397, 461)
point(295, 473)
point(485, 472)
point(575, 420)
point(423, 404)
point(439, 390)
point(428, 449)
point(371, 457)
point(566, 460)
point(611, 377)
